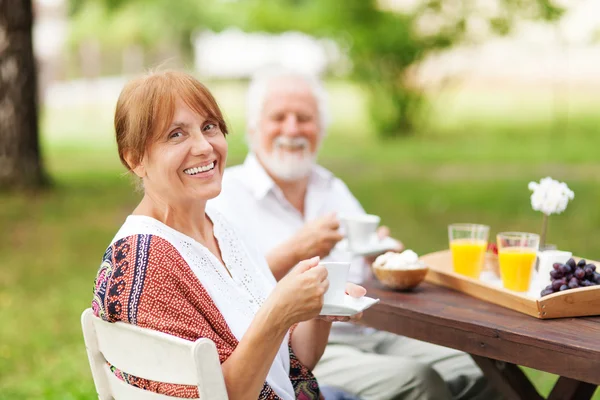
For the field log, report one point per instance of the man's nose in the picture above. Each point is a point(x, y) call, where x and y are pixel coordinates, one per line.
point(290, 125)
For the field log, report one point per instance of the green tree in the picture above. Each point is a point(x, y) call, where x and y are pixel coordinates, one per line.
point(151, 24)
point(386, 45)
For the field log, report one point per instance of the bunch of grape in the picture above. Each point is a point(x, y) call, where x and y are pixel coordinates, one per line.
point(571, 275)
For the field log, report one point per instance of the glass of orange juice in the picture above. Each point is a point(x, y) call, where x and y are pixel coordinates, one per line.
point(516, 255)
point(468, 243)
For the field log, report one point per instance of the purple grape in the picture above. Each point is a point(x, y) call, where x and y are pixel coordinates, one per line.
point(556, 284)
point(596, 277)
point(579, 273)
point(592, 267)
point(588, 272)
point(573, 283)
point(546, 292)
point(556, 266)
point(571, 263)
point(566, 269)
point(549, 287)
point(586, 283)
point(563, 287)
point(556, 274)
point(581, 263)
point(568, 277)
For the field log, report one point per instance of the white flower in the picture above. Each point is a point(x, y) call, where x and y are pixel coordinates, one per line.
point(550, 196)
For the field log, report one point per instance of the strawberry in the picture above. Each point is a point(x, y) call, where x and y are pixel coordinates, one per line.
point(492, 248)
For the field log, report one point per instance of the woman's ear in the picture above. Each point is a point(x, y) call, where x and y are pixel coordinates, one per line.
point(136, 168)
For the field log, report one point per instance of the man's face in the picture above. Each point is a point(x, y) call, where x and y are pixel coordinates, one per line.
point(288, 133)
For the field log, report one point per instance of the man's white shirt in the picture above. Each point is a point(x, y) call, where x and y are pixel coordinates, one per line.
point(253, 203)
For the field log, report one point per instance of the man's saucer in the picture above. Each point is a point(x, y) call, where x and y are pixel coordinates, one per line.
point(349, 307)
point(374, 248)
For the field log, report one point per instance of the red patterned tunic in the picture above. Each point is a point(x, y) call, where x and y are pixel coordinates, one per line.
point(143, 280)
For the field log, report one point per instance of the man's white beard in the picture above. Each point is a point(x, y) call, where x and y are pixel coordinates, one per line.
point(285, 165)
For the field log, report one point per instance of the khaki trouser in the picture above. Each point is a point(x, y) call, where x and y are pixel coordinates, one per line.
point(384, 366)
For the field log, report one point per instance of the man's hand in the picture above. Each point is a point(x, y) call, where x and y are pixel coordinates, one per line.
point(382, 233)
point(317, 237)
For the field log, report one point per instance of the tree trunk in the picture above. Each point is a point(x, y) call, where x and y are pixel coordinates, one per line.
point(20, 159)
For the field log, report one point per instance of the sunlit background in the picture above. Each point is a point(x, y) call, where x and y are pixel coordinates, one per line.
point(443, 111)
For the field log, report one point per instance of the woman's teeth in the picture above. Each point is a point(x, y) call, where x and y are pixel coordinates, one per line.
point(197, 170)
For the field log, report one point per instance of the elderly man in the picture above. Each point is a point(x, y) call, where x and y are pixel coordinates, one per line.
point(289, 205)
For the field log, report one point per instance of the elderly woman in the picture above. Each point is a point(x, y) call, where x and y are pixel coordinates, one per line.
point(179, 267)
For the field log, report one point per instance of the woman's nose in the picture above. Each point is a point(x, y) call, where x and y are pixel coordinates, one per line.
point(200, 145)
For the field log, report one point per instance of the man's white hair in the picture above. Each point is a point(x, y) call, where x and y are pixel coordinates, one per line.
point(259, 87)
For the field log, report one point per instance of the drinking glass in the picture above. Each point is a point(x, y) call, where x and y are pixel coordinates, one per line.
point(468, 243)
point(517, 252)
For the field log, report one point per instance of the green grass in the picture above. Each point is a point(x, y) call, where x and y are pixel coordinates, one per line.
point(471, 163)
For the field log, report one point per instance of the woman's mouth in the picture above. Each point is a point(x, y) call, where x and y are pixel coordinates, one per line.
point(201, 169)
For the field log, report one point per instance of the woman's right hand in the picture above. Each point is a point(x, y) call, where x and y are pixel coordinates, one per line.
point(299, 295)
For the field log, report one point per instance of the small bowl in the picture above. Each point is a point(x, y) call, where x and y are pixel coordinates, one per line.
point(401, 279)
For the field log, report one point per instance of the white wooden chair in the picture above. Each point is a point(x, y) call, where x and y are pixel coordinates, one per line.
point(149, 354)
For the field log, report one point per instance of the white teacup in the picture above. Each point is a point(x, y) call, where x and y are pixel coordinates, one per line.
point(361, 230)
point(337, 274)
point(548, 258)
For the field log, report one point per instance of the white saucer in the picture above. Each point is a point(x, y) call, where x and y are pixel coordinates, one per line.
point(350, 307)
point(372, 249)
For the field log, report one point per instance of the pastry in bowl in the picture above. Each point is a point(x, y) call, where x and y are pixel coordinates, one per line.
point(401, 271)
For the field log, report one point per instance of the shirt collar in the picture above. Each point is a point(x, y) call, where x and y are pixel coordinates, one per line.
point(320, 176)
point(260, 183)
point(256, 178)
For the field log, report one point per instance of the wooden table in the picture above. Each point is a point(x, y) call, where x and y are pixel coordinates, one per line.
point(497, 338)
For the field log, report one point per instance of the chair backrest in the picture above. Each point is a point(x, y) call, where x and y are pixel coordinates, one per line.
point(149, 354)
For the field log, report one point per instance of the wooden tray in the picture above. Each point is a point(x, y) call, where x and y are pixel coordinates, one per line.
point(569, 303)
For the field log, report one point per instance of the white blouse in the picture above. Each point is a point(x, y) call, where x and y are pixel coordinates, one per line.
point(239, 296)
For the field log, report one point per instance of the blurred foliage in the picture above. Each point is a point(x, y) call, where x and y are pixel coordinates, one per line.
point(119, 24)
point(385, 45)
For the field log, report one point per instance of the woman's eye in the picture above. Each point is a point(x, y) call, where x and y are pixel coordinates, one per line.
point(175, 135)
point(209, 127)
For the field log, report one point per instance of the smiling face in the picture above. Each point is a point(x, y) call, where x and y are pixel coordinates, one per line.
point(170, 132)
point(185, 162)
point(287, 136)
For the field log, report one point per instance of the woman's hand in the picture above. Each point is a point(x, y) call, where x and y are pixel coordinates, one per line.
point(299, 295)
point(355, 291)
